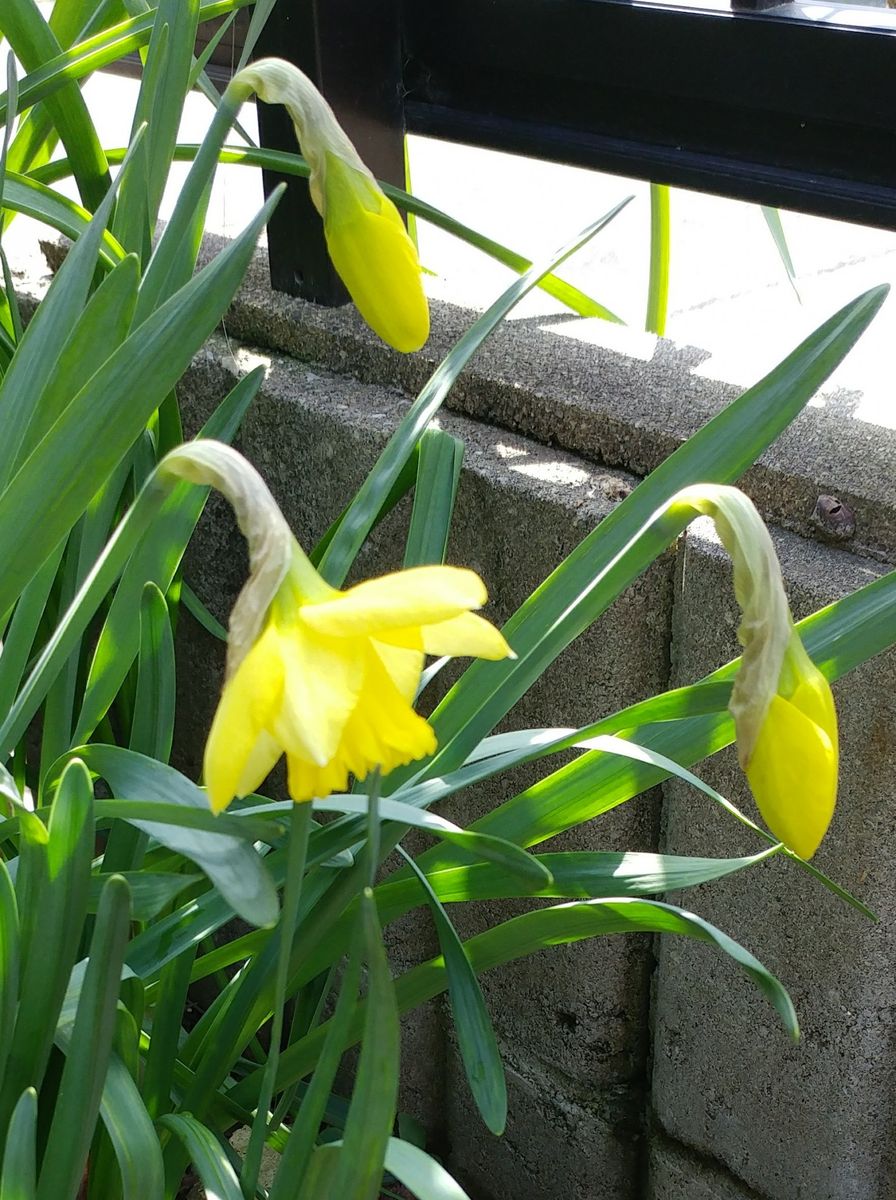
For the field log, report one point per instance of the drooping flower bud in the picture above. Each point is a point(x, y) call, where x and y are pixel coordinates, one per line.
point(368, 243)
point(782, 705)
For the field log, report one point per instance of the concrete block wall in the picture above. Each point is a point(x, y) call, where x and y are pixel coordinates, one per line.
point(636, 1070)
point(811, 1120)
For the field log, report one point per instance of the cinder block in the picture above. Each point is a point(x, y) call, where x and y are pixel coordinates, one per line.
point(811, 1121)
point(555, 1146)
point(678, 1174)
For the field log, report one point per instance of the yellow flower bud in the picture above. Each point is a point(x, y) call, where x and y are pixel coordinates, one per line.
point(781, 703)
point(368, 243)
point(792, 769)
point(374, 256)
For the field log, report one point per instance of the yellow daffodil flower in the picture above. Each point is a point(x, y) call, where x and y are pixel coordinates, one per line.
point(366, 238)
point(782, 705)
point(327, 677)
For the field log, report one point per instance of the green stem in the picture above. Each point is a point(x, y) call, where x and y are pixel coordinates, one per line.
point(660, 248)
point(373, 827)
point(300, 826)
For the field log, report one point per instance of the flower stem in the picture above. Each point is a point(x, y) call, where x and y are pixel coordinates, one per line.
point(300, 825)
point(373, 827)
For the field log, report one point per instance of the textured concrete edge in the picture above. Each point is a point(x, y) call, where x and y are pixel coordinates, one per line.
point(678, 1172)
point(614, 396)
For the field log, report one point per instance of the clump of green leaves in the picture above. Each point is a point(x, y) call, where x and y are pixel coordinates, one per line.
point(114, 876)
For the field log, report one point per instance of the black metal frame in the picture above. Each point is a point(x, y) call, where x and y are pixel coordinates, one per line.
point(751, 104)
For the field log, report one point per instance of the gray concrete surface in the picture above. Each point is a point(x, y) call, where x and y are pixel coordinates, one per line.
point(811, 1120)
point(606, 394)
point(677, 1174)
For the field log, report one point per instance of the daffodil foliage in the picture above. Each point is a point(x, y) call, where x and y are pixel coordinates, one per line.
point(120, 875)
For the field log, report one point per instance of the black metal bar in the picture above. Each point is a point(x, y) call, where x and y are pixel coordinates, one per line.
point(757, 106)
point(351, 50)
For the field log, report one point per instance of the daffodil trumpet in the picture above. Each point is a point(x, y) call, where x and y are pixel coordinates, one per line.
point(781, 703)
point(366, 238)
point(327, 677)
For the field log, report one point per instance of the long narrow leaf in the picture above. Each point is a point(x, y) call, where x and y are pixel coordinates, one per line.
point(364, 508)
point(78, 1103)
point(534, 931)
point(207, 1155)
point(18, 1175)
point(293, 164)
point(85, 445)
point(372, 1111)
point(475, 1036)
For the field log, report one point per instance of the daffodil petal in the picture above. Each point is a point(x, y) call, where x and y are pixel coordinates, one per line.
point(261, 761)
point(404, 666)
point(467, 635)
point(374, 256)
point(247, 704)
point(419, 596)
point(323, 677)
point(813, 697)
point(306, 781)
point(793, 775)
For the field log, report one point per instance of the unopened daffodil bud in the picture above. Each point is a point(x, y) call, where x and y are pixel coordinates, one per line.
point(327, 677)
point(366, 238)
point(781, 703)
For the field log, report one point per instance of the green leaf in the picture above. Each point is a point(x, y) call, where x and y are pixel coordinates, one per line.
point(200, 612)
point(527, 869)
point(475, 1035)
point(527, 934)
point(132, 1134)
point(776, 229)
point(151, 891)
point(97, 428)
point(420, 1173)
point(152, 727)
point(69, 628)
point(165, 1036)
point(34, 199)
point(362, 511)
point(36, 357)
point(207, 1156)
point(576, 874)
point(371, 1114)
point(88, 1051)
point(35, 44)
point(98, 331)
point(303, 1134)
point(293, 164)
point(438, 474)
point(95, 52)
point(18, 1177)
point(233, 866)
point(56, 895)
point(160, 102)
point(9, 964)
